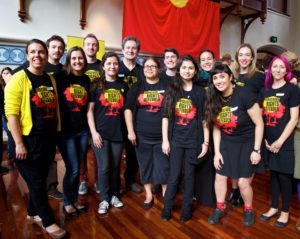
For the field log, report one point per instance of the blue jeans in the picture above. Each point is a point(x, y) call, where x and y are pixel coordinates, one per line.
point(73, 148)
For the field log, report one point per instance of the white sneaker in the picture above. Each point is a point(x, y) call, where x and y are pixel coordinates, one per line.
point(83, 188)
point(97, 190)
point(34, 219)
point(103, 207)
point(116, 202)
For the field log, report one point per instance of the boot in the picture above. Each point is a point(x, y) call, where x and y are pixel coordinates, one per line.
point(237, 199)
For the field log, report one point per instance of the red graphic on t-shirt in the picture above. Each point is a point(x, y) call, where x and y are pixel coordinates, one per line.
point(45, 98)
point(152, 99)
point(185, 111)
point(273, 110)
point(76, 94)
point(113, 100)
point(227, 120)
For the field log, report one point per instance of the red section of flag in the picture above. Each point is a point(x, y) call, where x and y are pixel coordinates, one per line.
point(160, 24)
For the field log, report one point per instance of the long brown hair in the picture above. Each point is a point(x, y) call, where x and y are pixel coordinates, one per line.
point(67, 66)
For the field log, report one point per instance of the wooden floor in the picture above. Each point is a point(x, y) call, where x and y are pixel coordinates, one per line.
point(133, 222)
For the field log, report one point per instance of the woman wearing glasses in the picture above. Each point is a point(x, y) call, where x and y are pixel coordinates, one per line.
point(143, 119)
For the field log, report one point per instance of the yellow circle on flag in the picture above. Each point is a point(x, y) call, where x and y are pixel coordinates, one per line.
point(179, 3)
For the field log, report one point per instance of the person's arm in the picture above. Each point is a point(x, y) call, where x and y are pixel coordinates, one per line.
point(97, 139)
point(165, 139)
point(255, 114)
point(218, 159)
point(289, 128)
point(15, 129)
point(129, 124)
point(205, 141)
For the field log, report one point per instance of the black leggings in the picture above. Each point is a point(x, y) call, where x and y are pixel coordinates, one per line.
point(281, 183)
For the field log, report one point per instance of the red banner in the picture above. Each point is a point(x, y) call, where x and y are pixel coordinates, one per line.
point(187, 25)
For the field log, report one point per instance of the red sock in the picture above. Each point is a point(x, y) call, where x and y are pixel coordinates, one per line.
point(248, 207)
point(221, 206)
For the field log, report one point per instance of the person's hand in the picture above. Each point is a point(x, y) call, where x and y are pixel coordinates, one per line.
point(218, 161)
point(97, 140)
point(166, 147)
point(132, 137)
point(203, 151)
point(276, 146)
point(255, 158)
point(21, 151)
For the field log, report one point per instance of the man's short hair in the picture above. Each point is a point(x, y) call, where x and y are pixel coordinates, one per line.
point(131, 38)
point(55, 38)
point(173, 50)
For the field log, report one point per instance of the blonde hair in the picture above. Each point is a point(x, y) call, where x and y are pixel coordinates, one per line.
point(292, 58)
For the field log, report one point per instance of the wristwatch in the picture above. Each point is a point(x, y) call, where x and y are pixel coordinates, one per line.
point(256, 151)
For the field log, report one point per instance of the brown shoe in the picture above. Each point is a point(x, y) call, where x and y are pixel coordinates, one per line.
point(298, 225)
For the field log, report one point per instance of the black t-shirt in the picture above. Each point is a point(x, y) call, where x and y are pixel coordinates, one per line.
point(73, 96)
point(108, 111)
point(187, 126)
point(50, 68)
point(254, 85)
point(131, 77)
point(93, 70)
point(145, 100)
point(163, 75)
point(233, 119)
point(276, 104)
point(43, 103)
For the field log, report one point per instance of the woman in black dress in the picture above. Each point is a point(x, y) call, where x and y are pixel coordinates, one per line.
point(280, 102)
point(237, 135)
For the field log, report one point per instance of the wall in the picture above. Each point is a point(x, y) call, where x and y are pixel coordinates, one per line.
point(104, 18)
point(258, 34)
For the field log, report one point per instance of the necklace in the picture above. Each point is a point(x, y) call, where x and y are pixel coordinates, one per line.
point(226, 98)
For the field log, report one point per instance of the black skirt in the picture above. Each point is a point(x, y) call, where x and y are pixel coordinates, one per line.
point(237, 163)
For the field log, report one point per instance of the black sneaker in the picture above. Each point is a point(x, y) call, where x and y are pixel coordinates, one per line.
point(249, 218)
point(56, 195)
point(165, 214)
point(216, 216)
point(185, 216)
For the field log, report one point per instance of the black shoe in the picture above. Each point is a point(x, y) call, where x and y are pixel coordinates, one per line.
point(71, 214)
point(165, 215)
point(216, 216)
point(185, 216)
point(249, 218)
point(148, 205)
point(231, 195)
point(82, 209)
point(266, 218)
point(281, 224)
point(3, 170)
point(55, 194)
point(238, 201)
point(134, 187)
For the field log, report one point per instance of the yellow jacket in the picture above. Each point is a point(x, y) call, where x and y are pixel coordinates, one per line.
point(17, 100)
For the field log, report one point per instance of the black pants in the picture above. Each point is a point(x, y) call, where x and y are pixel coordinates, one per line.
point(132, 166)
point(34, 170)
point(281, 183)
point(178, 159)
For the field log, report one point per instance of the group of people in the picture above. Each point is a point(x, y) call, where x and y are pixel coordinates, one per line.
point(196, 123)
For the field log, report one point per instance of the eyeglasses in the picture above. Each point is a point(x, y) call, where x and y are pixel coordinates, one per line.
point(152, 67)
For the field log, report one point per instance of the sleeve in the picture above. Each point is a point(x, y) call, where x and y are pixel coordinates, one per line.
point(295, 96)
point(248, 99)
point(131, 97)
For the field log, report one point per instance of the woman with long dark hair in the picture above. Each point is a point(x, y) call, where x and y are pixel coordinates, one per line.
point(105, 114)
point(280, 102)
point(73, 94)
point(189, 137)
point(143, 119)
point(32, 112)
point(237, 135)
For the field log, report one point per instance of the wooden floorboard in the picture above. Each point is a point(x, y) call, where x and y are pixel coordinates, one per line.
point(133, 221)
